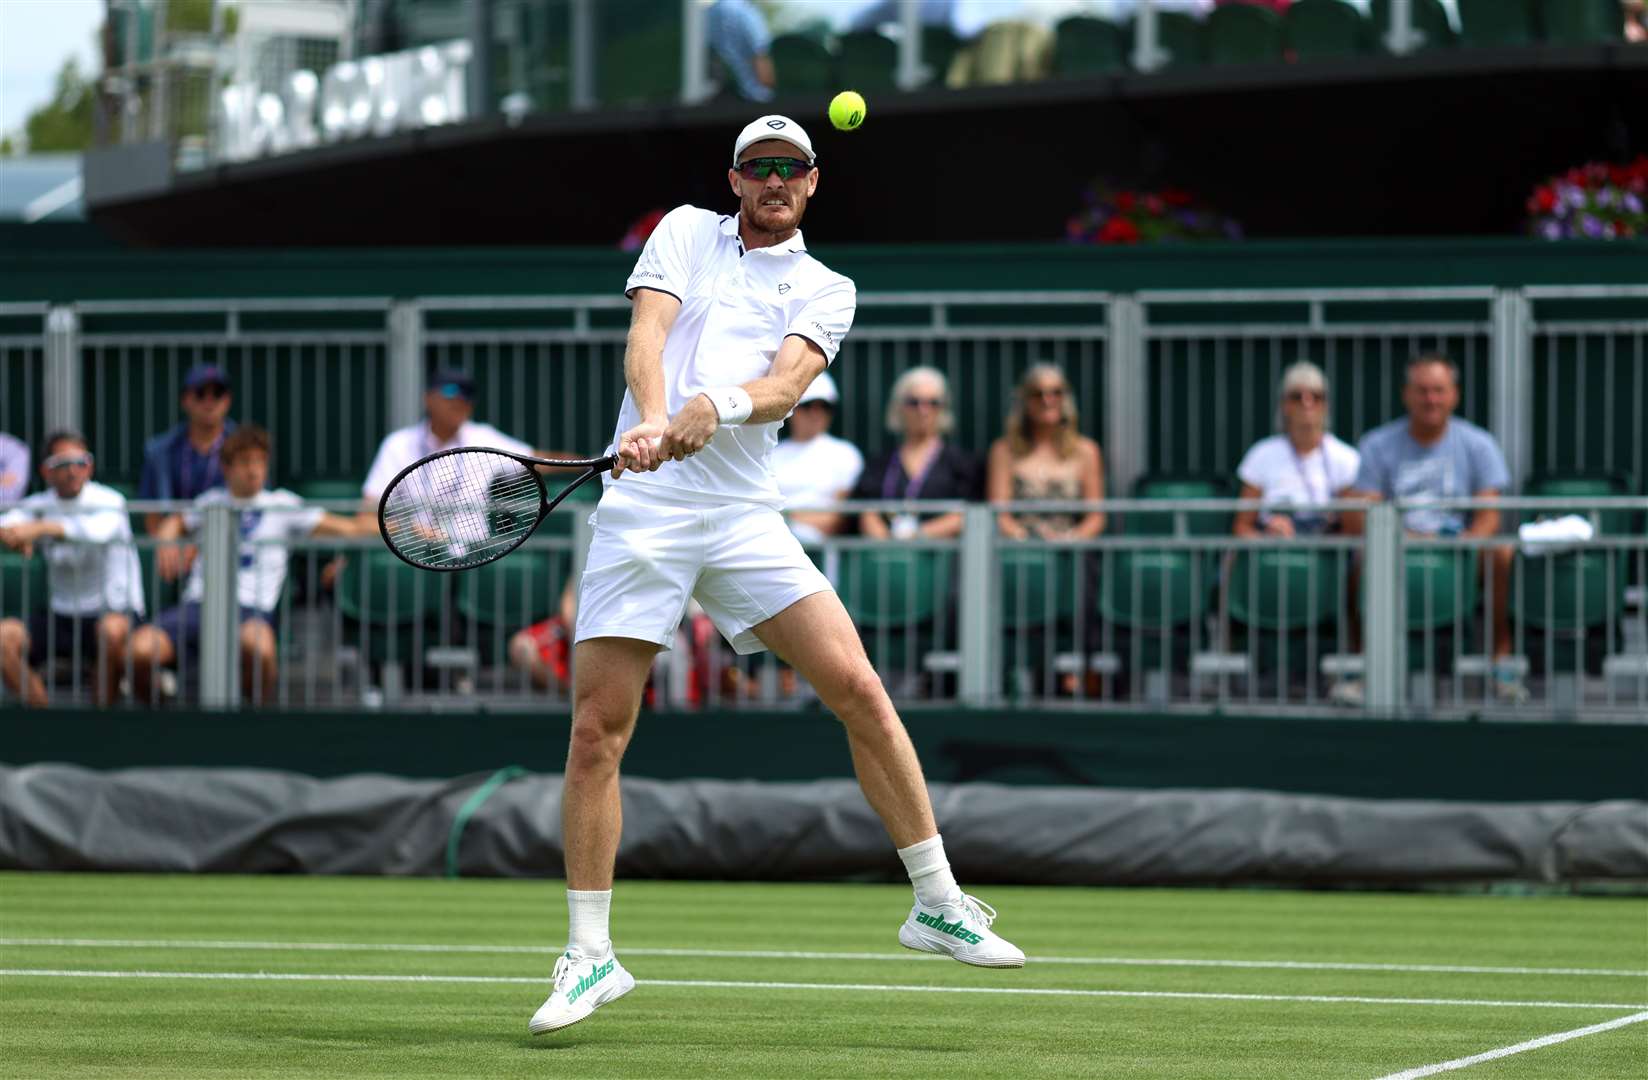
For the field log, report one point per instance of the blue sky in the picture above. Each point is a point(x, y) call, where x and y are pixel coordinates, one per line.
point(36, 36)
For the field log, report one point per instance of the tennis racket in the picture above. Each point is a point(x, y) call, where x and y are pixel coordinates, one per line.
point(457, 509)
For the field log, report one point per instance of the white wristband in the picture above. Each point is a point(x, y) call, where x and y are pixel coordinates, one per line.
point(732, 403)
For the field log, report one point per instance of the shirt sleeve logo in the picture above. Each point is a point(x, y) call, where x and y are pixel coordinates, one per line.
point(783, 287)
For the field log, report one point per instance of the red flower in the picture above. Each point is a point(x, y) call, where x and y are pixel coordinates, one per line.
point(1545, 199)
point(1119, 231)
point(1154, 204)
point(1125, 201)
point(1176, 197)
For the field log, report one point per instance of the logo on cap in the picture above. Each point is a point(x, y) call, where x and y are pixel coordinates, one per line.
point(775, 124)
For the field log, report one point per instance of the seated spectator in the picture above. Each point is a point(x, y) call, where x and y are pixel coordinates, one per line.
point(95, 586)
point(1429, 455)
point(267, 516)
point(182, 462)
point(1045, 456)
point(742, 47)
point(813, 467)
point(923, 465)
point(1300, 469)
point(14, 468)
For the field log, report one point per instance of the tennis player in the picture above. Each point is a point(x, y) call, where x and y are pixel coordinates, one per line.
point(732, 319)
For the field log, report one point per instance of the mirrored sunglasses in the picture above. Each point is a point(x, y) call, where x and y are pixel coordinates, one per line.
point(80, 460)
point(210, 392)
point(787, 168)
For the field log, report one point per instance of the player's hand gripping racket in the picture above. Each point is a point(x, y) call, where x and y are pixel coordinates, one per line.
point(466, 507)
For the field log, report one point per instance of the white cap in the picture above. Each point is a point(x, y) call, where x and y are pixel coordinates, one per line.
point(773, 127)
point(821, 389)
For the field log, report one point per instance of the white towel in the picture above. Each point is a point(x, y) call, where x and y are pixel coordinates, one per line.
point(1554, 535)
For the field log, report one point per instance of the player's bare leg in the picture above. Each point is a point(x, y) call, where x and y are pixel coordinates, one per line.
point(817, 637)
point(609, 675)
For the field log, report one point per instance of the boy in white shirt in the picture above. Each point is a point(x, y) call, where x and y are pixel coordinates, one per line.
point(266, 518)
point(96, 588)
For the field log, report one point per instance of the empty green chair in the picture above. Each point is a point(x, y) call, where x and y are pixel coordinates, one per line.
point(1155, 591)
point(1582, 22)
point(1286, 590)
point(1038, 585)
point(1429, 18)
point(1243, 34)
point(1496, 23)
point(509, 595)
point(894, 588)
point(1566, 605)
point(1087, 46)
point(1166, 523)
point(1582, 488)
point(867, 62)
point(802, 65)
point(1182, 36)
point(22, 585)
point(1441, 588)
point(393, 607)
point(1326, 29)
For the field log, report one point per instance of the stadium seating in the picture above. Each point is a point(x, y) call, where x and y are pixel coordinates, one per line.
point(1491, 23)
point(22, 584)
point(512, 594)
point(329, 490)
point(1582, 487)
point(1430, 18)
point(1326, 29)
point(389, 606)
point(1180, 35)
point(898, 597)
point(1282, 598)
point(867, 62)
point(1243, 34)
point(1581, 22)
point(1566, 603)
point(1087, 46)
point(802, 65)
point(1196, 522)
point(639, 60)
point(1441, 597)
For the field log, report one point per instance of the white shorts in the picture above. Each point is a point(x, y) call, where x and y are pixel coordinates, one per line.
point(649, 556)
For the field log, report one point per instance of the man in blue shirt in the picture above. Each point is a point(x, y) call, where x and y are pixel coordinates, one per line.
point(183, 462)
point(738, 36)
point(1431, 455)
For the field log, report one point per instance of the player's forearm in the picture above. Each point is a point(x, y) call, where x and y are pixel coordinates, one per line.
point(772, 397)
point(644, 370)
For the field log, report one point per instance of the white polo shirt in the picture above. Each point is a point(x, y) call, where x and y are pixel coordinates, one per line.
point(737, 308)
point(268, 518)
point(407, 445)
point(99, 571)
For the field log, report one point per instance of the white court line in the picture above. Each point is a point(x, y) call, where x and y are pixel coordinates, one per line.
point(780, 954)
point(1041, 991)
point(1507, 1051)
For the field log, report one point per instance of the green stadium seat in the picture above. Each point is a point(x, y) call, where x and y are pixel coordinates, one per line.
point(1181, 35)
point(1441, 589)
point(1196, 523)
point(1286, 590)
point(939, 46)
point(22, 585)
point(1567, 604)
point(1581, 22)
point(1037, 585)
point(802, 65)
point(1583, 487)
point(1153, 590)
point(388, 603)
point(1326, 29)
point(867, 62)
point(894, 588)
point(1243, 34)
point(1495, 23)
point(509, 595)
point(1430, 18)
point(1083, 45)
point(314, 490)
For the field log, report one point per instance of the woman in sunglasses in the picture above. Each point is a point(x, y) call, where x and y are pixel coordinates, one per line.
point(1296, 472)
point(1044, 456)
point(923, 465)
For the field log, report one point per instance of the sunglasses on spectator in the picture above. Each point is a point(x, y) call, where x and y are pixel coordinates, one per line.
point(787, 168)
point(78, 460)
point(210, 392)
point(1046, 393)
point(923, 403)
point(1306, 395)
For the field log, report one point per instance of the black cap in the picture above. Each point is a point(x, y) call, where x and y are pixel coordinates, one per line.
point(452, 383)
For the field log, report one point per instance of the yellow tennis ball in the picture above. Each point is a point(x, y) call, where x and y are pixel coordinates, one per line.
point(847, 110)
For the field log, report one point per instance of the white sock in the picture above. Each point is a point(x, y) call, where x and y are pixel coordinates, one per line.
point(930, 873)
point(587, 914)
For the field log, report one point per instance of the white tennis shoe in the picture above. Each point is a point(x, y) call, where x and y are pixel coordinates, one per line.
point(962, 931)
point(582, 985)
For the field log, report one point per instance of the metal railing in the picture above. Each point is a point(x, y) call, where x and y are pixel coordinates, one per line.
point(1166, 611)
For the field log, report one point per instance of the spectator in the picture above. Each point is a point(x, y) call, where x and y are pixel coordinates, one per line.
point(738, 38)
point(95, 586)
point(14, 468)
point(183, 462)
point(923, 465)
point(1044, 455)
point(268, 518)
point(449, 404)
point(1636, 21)
point(812, 466)
point(1432, 455)
point(1300, 469)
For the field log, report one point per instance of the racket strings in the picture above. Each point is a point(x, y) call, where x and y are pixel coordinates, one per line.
point(462, 509)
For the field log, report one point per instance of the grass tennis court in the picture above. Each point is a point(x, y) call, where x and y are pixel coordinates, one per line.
point(303, 977)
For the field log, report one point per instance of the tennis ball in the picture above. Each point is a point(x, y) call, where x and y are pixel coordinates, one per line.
point(847, 110)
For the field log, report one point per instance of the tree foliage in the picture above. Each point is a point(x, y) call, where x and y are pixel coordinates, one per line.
point(65, 122)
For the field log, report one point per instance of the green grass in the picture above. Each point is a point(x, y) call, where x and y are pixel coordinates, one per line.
point(172, 1027)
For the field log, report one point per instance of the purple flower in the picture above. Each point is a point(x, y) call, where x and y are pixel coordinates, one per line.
point(1571, 195)
point(1631, 202)
point(1551, 230)
point(1605, 197)
point(1591, 226)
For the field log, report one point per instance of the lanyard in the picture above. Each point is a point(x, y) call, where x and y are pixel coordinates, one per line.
point(912, 490)
point(1304, 474)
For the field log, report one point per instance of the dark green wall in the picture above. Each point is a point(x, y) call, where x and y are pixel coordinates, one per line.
point(1375, 759)
point(66, 273)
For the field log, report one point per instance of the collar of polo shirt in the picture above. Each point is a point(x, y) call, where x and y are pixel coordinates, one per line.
point(729, 227)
